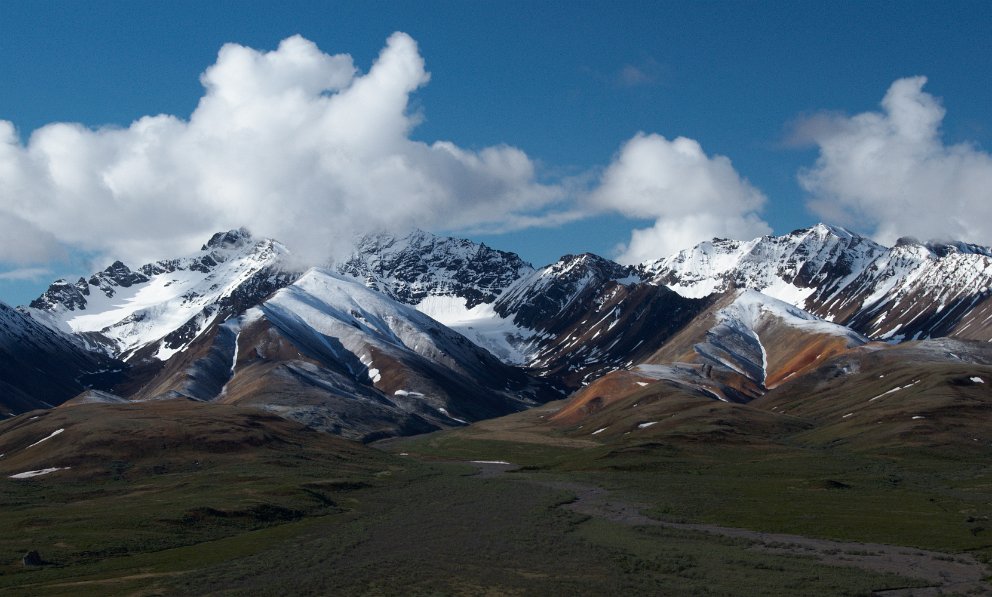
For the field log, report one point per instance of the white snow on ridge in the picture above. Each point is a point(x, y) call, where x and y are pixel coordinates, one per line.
point(480, 324)
point(340, 317)
point(751, 304)
point(762, 262)
point(804, 266)
point(699, 289)
point(336, 307)
point(700, 270)
point(145, 312)
point(743, 316)
point(787, 293)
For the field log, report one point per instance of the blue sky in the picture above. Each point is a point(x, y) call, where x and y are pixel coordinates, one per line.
point(772, 86)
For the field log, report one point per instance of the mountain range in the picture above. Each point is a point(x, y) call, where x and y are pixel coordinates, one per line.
point(414, 333)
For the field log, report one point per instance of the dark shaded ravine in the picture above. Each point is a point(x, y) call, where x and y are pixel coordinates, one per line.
point(945, 573)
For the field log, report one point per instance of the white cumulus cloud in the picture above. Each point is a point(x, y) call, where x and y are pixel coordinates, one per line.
point(293, 143)
point(691, 196)
point(891, 174)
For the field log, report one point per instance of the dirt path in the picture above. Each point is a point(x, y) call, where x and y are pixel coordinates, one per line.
point(946, 573)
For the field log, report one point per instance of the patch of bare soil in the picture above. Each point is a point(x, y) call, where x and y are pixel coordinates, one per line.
point(946, 573)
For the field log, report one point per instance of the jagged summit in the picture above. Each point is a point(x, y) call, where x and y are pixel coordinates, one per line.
point(344, 348)
point(169, 302)
point(62, 293)
point(939, 249)
point(538, 297)
point(944, 248)
point(582, 264)
point(787, 267)
point(911, 290)
point(412, 267)
point(228, 240)
point(117, 274)
point(823, 230)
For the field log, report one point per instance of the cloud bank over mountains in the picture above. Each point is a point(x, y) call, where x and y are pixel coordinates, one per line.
point(302, 146)
point(891, 172)
point(292, 143)
point(691, 196)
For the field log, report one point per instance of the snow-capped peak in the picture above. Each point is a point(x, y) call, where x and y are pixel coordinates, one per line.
point(770, 264)
point(911, 290)
point(168, 302)
point(822, 230)
point(231, 239)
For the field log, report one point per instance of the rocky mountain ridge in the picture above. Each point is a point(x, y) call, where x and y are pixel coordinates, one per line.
point(399, 337)
point(156, 310)
point(913, 290)
point(419, 265)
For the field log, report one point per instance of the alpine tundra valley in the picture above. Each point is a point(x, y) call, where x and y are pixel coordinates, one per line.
point(796, 414)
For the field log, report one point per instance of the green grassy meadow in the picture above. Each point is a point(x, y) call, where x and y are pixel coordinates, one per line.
point(412, 517)
point(426, 529)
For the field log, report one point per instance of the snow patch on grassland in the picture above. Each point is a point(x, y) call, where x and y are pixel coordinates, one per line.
point(38, 473)
point(54, 433)
point(896, 389)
